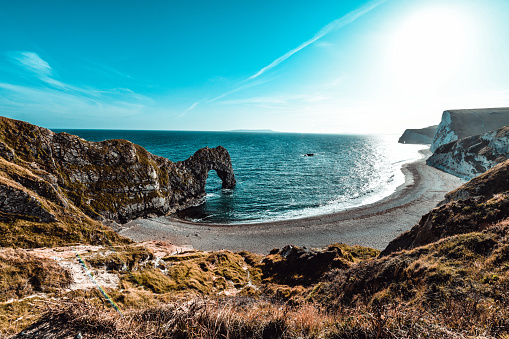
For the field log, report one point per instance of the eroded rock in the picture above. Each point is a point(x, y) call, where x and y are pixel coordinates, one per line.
point(422, 136)
point(469, 157)
point(458, 124)
point(112, 179)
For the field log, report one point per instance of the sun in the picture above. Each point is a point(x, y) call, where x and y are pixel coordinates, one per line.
point(429, 46)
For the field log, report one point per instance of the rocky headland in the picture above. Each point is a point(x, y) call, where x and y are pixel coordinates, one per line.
point(471, 156)
point(462, 123)
point(473, 207)
point(49, 178)
point(421, 136)
point(56, 189)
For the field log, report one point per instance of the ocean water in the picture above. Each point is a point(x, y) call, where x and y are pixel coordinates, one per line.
point(275, 178)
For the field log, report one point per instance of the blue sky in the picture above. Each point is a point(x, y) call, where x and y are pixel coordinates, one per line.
point(298, 66)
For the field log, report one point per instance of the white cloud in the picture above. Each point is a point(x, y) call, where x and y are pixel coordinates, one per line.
point(239, 89)
point(32, 62)
point(190, 108)
point(334, 25)
point(278, 100)
point(63, 99)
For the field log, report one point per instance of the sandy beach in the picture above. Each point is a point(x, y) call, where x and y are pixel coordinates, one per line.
point(371, 225)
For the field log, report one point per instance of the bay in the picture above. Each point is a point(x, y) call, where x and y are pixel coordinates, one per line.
point(282, 175)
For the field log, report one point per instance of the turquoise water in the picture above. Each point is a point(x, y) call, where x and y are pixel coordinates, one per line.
point(275, 178)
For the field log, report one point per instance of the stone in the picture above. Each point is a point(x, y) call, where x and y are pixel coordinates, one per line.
point(458, 124)
point(421, 136)
point(16, 203)
point(471, 156)
point(109, 180)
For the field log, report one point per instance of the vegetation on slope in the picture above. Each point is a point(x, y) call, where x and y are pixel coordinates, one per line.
point(454, 288)
point(446, 278)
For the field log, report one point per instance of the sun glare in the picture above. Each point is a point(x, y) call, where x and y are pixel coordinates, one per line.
point(430, 46)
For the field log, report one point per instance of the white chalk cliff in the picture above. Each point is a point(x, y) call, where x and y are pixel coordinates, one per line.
point(458, 124)
point(469, 157)
point(423, 136)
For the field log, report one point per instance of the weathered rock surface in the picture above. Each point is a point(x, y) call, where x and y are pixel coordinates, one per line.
point(489, 184)
point(458, 124)
point(112, 179)
point(469, 157)
point(421, 136)
point(294, 265)
point(16, 203)
point(473, 207)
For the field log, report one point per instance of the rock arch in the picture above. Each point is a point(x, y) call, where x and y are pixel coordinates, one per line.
point(207, 159)
point(111, 179)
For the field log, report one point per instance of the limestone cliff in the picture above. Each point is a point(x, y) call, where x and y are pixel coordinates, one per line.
point(469, 157)
point(492, 183)
point(473, 207)
point(112, 179)
point(422, 136)
point(458, 124)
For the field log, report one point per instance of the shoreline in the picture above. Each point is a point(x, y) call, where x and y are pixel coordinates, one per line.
point(373, 225)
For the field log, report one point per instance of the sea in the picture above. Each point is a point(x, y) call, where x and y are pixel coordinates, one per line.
point(282, 175)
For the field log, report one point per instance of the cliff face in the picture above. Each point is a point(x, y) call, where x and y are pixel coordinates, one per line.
point(473, 207)
point(422, 136)
point(469, 157)
point(490, 184)
point(113, 179)
point(458, 124)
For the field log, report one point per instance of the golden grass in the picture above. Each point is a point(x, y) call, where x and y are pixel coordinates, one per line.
point(23, 274)
point(455, 288)
point(253, 318)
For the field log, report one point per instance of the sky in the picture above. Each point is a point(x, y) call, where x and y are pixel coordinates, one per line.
point(322, 66)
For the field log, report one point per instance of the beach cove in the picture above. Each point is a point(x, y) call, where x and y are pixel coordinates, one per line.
point(373, 225)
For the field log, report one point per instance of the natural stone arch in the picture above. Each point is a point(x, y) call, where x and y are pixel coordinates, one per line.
point(111, 179)
point(207, 159)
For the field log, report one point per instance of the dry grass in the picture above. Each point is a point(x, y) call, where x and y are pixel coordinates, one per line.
point(243, 318)
point(23, 274)
point(455, 288)
point(460, 283)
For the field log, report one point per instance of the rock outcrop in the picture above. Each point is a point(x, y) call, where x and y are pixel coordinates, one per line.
point(469, 157)
point(421, 136)
point(112, 179)
point(458, 124)
point(473, 207)
point(294, 265)
point(489, 184)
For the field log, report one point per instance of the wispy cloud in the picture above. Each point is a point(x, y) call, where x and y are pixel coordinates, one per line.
point(240, 88)
point(190, 108)
point(57, 97)
point(332, 26)
point(279, 100)
point(33, 62)
point(103, 69)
